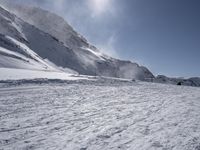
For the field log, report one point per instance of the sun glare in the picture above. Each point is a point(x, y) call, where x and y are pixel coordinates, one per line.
point(99, 7)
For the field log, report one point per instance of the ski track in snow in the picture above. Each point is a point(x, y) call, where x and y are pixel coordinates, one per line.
point(140, 116)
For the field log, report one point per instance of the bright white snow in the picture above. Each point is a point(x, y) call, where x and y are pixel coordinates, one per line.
point(19, 74)
point(100, 116)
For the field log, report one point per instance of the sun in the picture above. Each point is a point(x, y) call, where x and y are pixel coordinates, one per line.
point(99, 7)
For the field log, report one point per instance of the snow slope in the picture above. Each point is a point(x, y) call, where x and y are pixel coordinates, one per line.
point(20, 74)
point(100, 116)
point(15, 54)
point(34, 46)
point(50, 23)
point(52, 38)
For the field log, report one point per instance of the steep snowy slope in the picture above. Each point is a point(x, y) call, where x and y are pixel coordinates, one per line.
point(24, 37)
point(14, 54)
point(50, 23)
point(67, 49)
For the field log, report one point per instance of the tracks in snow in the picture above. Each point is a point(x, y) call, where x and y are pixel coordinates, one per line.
point(88, 116)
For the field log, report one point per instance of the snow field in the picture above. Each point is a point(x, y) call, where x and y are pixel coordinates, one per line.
point(133, 116)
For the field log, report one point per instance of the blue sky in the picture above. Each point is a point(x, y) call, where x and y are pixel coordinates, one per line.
point(163, 35)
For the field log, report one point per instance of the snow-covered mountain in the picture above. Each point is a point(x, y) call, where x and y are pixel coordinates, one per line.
point(50, 23)
point(15, 54)
point(46, 41)
point(195, 81)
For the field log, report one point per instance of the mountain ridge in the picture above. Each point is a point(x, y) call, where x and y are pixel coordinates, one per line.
point(76, 54)
point(37, 46)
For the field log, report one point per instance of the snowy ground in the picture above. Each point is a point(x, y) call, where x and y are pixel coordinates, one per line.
point(19, 74)
point(99, 116)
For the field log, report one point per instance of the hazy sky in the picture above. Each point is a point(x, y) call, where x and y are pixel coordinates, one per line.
point(163, 35)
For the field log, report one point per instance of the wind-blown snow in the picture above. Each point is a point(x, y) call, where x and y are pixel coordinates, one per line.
point(125, 116)
point(96, 53)
point(53, 39)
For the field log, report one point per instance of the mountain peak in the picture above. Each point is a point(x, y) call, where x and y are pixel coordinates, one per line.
point(50, 23)
point(60, 46)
